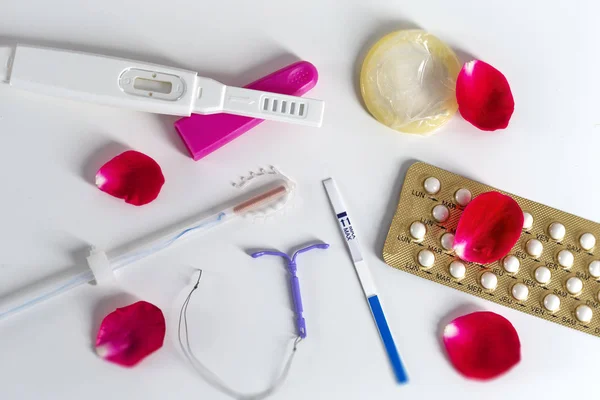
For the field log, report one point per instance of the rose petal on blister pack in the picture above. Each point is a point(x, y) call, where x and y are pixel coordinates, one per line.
point(488, 228)
point(131, 176)
point(484, 97)
point(482, 345)
point(129, 334)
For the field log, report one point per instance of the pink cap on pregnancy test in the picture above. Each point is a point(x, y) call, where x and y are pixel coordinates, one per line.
point(203, 134)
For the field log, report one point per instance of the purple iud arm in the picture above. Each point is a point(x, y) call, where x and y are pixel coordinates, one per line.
point(294, 282)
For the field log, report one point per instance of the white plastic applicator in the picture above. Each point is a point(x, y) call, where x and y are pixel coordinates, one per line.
point(103, 264)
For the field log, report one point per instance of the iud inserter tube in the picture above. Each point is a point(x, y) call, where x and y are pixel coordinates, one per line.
point(102, 265)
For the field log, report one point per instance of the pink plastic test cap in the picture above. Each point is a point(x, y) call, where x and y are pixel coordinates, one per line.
point(203, 134)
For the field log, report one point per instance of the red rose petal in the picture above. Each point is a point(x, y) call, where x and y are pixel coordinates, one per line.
point(484, 97)
point(482, 345)
point(488, 228)
point(132, 176)
point(129, 334)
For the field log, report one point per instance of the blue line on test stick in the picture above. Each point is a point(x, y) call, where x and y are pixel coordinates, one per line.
point(388, 340)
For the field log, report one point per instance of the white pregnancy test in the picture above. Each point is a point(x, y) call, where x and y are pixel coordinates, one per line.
point(366, 280)
point(144, 87)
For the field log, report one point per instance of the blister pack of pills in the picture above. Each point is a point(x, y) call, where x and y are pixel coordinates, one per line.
point(552, 272)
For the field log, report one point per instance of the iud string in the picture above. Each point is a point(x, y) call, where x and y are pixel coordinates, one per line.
point(213, 379)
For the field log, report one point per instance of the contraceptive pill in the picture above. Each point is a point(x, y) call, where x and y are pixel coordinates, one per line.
point(426, 258)
point(552, 272)
point(457, 269)
point(543, 275)
point(462, 197)
point(511, 264)
point(447, 241)
point(418, 230)
point(527, 221)
point(534, 248)
point(565, 258)
point(551, 302)
point(557, 231)
point(587, 241)
point(489, 280)
point(594, 269)
point(440, 213)
point(520, 291)
point(584, 313)
point(432, 185)
point(574, 285)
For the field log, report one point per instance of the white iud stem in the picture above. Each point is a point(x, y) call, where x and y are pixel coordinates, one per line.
point(144, 87)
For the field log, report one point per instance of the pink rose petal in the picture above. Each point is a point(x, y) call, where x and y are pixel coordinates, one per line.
point(482, 345)
point(132, 176)
point(130, 334)
point(488, 228)
point(484, 96)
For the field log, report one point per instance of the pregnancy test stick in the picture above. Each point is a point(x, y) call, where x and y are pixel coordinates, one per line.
point(144, 87)
point(366, 280)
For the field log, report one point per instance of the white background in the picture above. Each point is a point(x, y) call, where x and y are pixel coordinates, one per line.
point(241, 317)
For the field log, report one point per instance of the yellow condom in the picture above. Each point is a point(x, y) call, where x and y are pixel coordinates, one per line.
point(408, 81)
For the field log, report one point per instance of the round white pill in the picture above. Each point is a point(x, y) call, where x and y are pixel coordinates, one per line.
point(587, 241)
point(543, 275)
point(584, 313)
point(426, 258)
point(440, 213)
point(511, 264)
point(447, 241)
point(457, 269)
point(527, 221)
point(574, 285)
point(594, 269)
point(520, 291)
point(534, 248)
point(418, 230)
point(565, 259)
point(489, 280)
point(432, 185)
point(462, 197)
point(551, 302)
point(557, 231)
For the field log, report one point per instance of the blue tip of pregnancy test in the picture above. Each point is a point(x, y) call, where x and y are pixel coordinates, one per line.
point(388, 340)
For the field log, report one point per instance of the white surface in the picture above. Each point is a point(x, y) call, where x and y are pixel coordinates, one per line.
point(242, 317)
